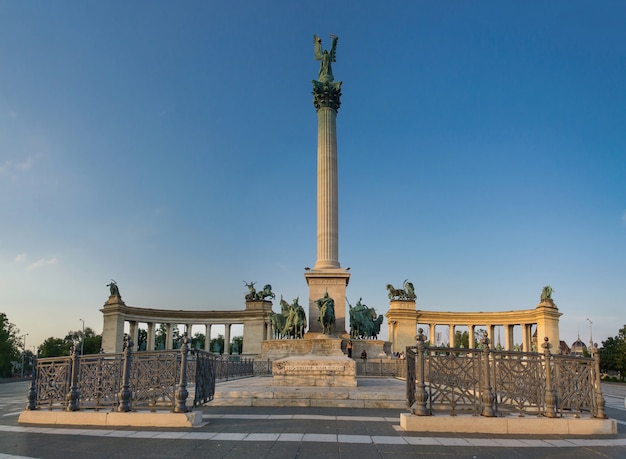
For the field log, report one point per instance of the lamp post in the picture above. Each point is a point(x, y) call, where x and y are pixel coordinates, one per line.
point(23, 351)
point(82, 338)
point(590, 335)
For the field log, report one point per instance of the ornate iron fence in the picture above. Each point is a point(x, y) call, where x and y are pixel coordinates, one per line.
point(392, 368)
point(127, 381)
point(489, 383)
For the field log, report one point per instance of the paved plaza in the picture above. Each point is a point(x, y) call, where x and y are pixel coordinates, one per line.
point(289, 432)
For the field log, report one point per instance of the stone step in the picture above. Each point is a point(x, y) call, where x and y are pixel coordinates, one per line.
point(382, 393)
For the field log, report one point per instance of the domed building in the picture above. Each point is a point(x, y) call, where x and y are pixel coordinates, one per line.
point(578, 349)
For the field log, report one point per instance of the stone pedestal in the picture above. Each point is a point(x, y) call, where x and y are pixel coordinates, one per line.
point(402, 321)
point(113, 314)
point(333, 281)
point(325, 365)
point(256, 326)
point(547, 317)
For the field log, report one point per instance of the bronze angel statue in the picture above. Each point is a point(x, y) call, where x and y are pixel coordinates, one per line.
point(327, 57)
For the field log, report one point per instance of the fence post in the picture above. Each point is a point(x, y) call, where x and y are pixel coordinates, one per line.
point(32, 392)
point(124, 395)
point(550, 393)
point(487, 396)
point(74, 394)
point(598, 379)
point(180, 405)
point(421, 396)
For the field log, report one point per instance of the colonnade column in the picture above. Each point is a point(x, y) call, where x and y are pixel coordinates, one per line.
point(150, 337)
point(227, 339)
point(508, 337)
point(491, 329)
point(207, 337)
point(169, 338)
point(471, 329)
point(134, 332)
point(526, 338)
point(451, 335)
point(433, 337)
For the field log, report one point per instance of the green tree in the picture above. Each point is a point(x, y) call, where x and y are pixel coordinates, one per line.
point(613, 353)
point(159, 336)
point(198, 340)
point(54, 347)
point(236, 346)
point(9, 349)
point(217, 345)
point(142, 339)
point(93, 342)
point(461, 339)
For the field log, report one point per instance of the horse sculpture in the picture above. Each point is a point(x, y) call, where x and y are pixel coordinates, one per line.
point(290, 322)
point(277, 322)
point(296, 321)
point(326, 306)
point(265, 293)
point(363, 322)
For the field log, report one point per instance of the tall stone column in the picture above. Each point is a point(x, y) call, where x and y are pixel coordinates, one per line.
point(327, 276)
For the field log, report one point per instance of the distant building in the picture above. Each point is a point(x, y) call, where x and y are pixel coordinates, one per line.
point(579, 349)
point(564, 348)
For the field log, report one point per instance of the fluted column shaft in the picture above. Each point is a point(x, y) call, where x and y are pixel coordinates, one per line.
point(327, 190)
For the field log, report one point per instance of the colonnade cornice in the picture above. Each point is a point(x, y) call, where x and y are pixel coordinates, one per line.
point(132, 313)
point(484, 317)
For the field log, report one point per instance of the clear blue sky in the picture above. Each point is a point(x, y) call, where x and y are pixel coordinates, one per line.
point(171, 146)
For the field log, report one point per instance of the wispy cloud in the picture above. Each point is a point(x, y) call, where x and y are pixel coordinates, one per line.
point(42, 263)
point(25, 165)
point(21, 258)
point(11, 166)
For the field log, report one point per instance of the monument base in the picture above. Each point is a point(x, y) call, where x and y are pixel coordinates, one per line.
point(326, 371)
point(324, 365)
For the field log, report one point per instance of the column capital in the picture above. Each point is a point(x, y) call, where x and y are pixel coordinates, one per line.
point(326, 95)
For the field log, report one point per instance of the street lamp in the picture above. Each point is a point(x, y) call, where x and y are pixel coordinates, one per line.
point(23, 351)
point(82, 340)
point(590, 335)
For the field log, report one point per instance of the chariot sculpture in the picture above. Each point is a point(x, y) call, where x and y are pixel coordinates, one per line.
point(406, 293)
point(253, 295)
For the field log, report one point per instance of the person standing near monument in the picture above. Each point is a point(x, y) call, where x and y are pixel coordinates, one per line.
point(349, 348)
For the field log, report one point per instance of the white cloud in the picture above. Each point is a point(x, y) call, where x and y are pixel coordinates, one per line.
point(41, 263)
point(21, 258)
point(10, 166)
point(25, 165)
